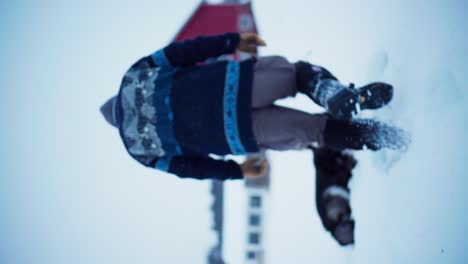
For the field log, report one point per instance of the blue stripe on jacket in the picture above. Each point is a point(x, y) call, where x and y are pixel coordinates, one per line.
point(162, 102)
point(159, 57)
point(163, 164)
point(231, 87)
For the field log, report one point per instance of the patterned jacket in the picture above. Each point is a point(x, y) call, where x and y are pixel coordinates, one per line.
point(172, 113)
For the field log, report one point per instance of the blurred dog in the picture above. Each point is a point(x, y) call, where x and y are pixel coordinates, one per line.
point(334, 171)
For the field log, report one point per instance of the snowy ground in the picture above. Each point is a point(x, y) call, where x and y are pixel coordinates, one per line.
point(70, 194)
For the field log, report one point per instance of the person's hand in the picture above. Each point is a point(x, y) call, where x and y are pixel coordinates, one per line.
point(249, 42)
point(254, 167)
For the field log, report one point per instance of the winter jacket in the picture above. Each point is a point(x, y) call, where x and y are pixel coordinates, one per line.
point(173, 113)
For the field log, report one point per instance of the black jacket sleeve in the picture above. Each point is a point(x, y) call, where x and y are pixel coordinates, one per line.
point(189, 52)
point(203, 167)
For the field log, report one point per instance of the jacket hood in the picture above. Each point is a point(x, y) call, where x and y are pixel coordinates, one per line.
point(108, 111)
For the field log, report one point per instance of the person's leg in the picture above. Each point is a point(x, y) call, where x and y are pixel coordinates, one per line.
point(340, 101)
point(282, 128)
point(274, 78)
point(308, 78)
point(358, 134)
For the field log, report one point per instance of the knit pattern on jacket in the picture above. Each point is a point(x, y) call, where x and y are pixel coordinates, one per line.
point(173, 113)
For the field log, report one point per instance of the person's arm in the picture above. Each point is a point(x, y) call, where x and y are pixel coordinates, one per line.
point(196, 167)
point(189, 52)
point(204, 167)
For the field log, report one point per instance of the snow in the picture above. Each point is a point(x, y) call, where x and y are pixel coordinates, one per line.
point(409, 207)
point(70, 194)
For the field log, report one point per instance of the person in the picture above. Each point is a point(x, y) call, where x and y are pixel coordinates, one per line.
point(332, 194)
point(174, 113)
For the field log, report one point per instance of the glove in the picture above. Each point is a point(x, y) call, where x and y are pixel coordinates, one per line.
point(249, 42)
point(254, 167)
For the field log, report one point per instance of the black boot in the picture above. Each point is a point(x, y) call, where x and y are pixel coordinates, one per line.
point(364, 133)
point(307, 78)
point(341, 101)
point(349, 101)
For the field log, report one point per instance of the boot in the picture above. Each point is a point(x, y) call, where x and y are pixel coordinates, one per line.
point(363, 134)
point(350, 101)
point(307, 78)
point(340, 101)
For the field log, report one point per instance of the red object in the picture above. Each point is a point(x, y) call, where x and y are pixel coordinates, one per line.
point(213, 19)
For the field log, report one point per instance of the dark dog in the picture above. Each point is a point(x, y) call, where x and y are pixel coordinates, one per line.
point(332, 193)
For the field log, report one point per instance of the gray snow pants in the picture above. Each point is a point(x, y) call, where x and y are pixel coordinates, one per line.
point(276, 127)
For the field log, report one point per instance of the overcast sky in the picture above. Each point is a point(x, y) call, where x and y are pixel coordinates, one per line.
point(69, 192)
